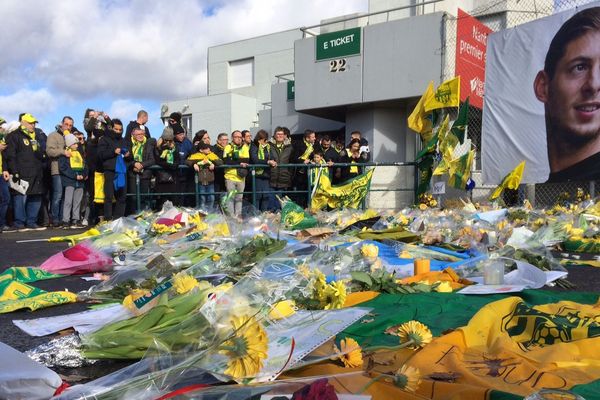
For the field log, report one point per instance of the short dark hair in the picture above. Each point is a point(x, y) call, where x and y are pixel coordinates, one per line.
point(67, 117)
point(202, 146)
point(583, 22)
point(355, 140)
point(142, 113)
point(262, 134)
point(308, 132)
point(221, 135)
point(317, 153)
point(286, 131)
point(116, 121)
point(278, 129)
point(326, 138)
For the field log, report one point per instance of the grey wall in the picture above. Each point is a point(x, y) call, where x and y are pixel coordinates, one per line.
point(401, 57)
point(397, 61)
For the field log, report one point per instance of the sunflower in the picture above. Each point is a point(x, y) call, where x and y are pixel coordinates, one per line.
point(183, 283)
point(334, 295)
point(349, 353)
point(246, 349)
point(319, 283)
point(415, 333)
point(407, 378)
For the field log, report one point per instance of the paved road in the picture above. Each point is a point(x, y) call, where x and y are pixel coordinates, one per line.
point(587, 279)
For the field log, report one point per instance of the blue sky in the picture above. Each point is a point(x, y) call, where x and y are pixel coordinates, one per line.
point(119, 56)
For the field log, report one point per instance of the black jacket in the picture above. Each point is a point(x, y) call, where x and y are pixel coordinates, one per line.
point(281, 177)
point(168, 170)
point(147, 159)
point(261, 173)
point(107, 145)
point(24, 161)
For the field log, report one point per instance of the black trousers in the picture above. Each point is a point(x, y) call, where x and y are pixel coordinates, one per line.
point(119, 195)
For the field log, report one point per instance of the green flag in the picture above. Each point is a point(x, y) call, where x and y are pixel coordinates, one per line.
point(429, 147)
point(459, 126)
point(425, 169)
point(460, 170)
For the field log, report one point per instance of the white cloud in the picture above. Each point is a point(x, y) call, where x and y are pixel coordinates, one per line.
point(124, 109)
point(37, 102)
point(137, 49)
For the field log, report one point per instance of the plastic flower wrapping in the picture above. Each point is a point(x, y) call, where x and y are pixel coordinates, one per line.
point(219, 307)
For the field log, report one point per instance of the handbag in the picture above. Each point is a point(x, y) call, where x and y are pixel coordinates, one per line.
point(164, 177)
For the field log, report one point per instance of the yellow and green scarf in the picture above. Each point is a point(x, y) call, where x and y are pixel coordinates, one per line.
point(32, 137)
point(261, 156)
point(307, 152)
point(138, 149)
point(168, 155)
point(201, 157)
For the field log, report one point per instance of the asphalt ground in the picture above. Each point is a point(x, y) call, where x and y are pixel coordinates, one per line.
point(586, 278)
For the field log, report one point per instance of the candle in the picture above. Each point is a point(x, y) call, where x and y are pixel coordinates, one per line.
point(421, 266)
point(493, 273)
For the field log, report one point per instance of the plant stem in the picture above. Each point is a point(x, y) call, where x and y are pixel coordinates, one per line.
point(397, 347)
point(372, 381)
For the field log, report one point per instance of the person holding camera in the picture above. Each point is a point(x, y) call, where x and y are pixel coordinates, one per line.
point(112, 151)
point(25, 160)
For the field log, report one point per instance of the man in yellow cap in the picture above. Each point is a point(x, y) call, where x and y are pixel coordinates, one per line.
point(25, 160)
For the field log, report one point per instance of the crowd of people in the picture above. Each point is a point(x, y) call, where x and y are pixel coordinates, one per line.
point(72, 179)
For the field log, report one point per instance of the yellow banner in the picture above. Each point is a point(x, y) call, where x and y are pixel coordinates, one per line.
point(417, 120)
point(515, 348)
point(510, 181)
point(346, 195)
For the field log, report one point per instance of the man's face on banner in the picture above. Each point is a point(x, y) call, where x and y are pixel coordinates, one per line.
point(572, 97)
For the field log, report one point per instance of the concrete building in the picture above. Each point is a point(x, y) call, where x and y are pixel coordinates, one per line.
point(359, 72)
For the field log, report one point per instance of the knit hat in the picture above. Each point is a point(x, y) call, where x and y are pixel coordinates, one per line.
point(70, 139)
point(167, 134)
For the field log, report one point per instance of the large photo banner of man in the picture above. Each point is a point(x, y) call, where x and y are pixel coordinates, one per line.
point(542, 99)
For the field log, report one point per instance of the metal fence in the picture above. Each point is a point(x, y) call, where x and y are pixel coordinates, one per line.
point(499, 15)
point(301, 195)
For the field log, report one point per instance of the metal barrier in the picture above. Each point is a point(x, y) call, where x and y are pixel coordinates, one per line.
point(253, 167)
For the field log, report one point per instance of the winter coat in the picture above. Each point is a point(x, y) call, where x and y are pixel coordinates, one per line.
point(261, 173)
point(107, 145)
point(281, 177)
point(24, 161)
point(67, 175)
point(205, 175)
point(147, 159)
point(168, 174)
point(55, 147)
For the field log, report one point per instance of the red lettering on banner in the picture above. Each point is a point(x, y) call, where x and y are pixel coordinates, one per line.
point(471, 44)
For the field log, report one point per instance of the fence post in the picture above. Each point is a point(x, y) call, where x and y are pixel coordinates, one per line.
point(310, 182)
point(138, 200)
point(416, 183)
point(196, 190)
point(592, 189)
point(253, 180)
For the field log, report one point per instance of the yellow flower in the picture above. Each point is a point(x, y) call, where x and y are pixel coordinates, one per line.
point(133, 295)
point(444, 287)
point(215, 257)
point(319, 283)
point(422, 207)
point(246, 349)
point(282, 309)
point(334, 295)
point(349, 353)
point(369, 250)
point(415, 332)
point(407, 378)
point(304, 270)
point(183, 283)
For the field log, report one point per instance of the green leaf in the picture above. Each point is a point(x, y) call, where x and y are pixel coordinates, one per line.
point(362, 277)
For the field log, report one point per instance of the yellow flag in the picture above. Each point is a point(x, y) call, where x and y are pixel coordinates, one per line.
point(347, 195)
point(459, 170)
point(417, 120)
point(446, 95)
point(510, 181)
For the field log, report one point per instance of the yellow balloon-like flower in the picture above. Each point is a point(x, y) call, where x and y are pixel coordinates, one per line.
point(444, 287)
point(246, 349)
point(183, 283)
point(369, 250)
point(415, 333)
point(349, 353)
point(334, 295)
point(407, 378)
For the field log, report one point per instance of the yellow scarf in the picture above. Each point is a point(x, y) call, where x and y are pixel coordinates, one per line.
point(138, 149)
point(76, 161)
point(32, 137)
point(308, 151)
point(353, 170)
point(201, 157)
